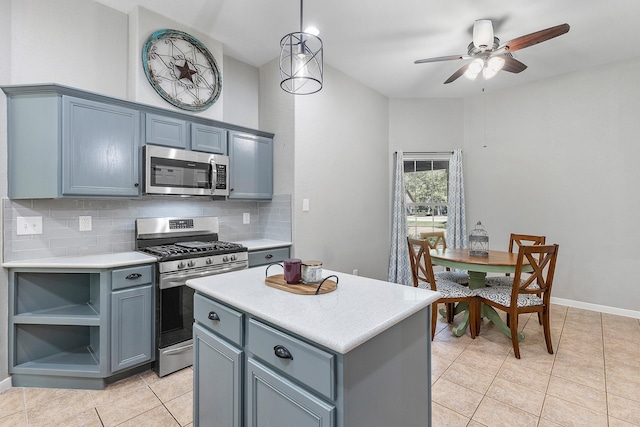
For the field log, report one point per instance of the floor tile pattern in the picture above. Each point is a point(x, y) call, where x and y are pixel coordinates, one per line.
point(138, 401)
point(592, 379)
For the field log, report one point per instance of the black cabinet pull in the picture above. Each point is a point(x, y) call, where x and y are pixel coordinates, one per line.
point(134, 276)
point(268, 256)
point(282, 352)
point(213, 316)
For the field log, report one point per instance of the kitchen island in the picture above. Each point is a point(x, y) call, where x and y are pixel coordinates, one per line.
point(357, 356)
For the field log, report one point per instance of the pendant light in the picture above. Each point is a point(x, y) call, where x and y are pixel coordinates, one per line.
point(301, 62)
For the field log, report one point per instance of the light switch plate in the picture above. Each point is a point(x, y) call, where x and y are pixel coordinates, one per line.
point(246, 218)
point(305, 205)
point(29, 225)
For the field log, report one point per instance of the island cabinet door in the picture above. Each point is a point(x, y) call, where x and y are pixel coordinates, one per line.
point(272, 400)
point(217, 387)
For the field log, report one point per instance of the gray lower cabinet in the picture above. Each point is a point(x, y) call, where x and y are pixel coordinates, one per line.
point(276, 401)
point(251, 166)
point(239, 378)
point(65, 329)
point(282, 379)
point(217, 380)
point(131, 327)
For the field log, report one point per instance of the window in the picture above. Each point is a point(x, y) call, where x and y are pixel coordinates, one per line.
point(426, 180)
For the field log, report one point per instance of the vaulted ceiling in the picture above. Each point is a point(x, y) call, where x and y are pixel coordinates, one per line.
point(377, 41)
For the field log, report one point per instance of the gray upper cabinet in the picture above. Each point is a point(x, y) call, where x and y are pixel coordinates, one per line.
point(63, 146)
point(251, 166)
point(83, 144)
point(209, 139)
point(166, 131)
point(99, 149)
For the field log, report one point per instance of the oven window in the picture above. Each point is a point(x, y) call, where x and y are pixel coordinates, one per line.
point(179, 173)
point(176, 315)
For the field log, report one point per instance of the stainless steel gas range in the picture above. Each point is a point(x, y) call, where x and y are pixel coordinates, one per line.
point(186, 248)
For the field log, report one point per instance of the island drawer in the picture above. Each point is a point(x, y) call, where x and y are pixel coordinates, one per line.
point(132, 276)
point(311, 366)
point(219, 318)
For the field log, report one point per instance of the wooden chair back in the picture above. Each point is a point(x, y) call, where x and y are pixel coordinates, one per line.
point(435, 238)
point(542, 258)
point(518, 240)
point(421, 267)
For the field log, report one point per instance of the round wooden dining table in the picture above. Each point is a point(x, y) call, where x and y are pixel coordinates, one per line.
point(478, 267)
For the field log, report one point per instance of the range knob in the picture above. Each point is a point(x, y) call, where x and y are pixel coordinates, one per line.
point(181, 264)
point(233, 258)
point(209, 261)
point(225, 259)
point(191, 263)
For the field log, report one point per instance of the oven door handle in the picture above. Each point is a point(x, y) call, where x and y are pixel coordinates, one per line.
point(180, 279)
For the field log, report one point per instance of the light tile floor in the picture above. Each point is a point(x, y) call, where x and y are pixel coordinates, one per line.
point(592, 379)
point(140, 400)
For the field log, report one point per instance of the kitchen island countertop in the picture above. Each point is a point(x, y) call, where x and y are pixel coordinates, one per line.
point(358, 310)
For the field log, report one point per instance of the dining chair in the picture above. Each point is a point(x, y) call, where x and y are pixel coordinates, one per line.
point(437, 239)
point(521, 297)
point(515, 241)
point(452, 292)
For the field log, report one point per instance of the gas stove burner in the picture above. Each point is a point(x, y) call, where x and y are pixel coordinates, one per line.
point(185, 249)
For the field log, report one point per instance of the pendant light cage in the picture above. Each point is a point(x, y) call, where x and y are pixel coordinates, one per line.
point(301, 62)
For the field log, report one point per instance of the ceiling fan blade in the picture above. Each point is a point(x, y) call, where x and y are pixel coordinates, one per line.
point(457, 74)
point(441, 58)
point(534, 38)
point(512, 65)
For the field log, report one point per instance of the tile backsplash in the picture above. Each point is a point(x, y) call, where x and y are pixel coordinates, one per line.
point(113, 222)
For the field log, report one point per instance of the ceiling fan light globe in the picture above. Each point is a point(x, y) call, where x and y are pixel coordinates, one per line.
point(476, 66)
point(495, 63)
point(483, 34)
point(488, 73)
point(471, 76)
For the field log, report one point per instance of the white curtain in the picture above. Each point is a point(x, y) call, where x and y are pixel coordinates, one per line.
point(456, 223)
point(399, 264)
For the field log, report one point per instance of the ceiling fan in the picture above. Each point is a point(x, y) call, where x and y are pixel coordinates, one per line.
point(489, 56)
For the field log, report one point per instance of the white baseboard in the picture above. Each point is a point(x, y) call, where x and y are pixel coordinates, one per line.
point(596, 307)
point(5, 384)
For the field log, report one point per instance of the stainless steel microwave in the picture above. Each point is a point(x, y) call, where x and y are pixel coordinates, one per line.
point(185, 173)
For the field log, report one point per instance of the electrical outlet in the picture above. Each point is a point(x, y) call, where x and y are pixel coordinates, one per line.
point(246, 218)
point(29, 225)
point(84, 223)
point(355, 271)
point(305, 205)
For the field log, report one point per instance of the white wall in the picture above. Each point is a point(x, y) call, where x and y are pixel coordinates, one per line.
point(341, 166)
point(241, 88)
point(561, 159)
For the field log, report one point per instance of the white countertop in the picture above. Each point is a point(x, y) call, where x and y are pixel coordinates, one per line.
point(341, 320)
point(260, 244)
point(119, 259)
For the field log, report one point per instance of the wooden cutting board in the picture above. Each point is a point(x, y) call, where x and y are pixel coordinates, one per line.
point(278, 282)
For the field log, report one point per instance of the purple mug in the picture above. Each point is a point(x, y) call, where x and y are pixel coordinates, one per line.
point(292, 270)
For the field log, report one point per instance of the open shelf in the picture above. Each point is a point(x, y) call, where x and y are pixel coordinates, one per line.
point(76, 314)
point(57, 295)
point(57, 349)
